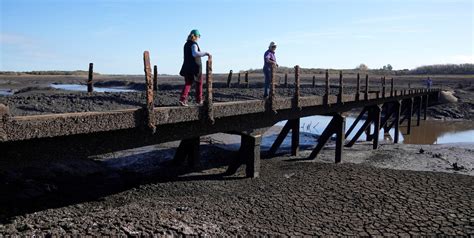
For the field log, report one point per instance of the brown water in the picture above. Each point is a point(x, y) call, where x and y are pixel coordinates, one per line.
point(439, 132)
point(429, 132)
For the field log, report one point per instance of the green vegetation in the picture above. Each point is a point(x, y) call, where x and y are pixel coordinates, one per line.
point(462, 69)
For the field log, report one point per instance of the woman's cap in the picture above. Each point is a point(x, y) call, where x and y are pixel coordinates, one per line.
point(272, 44)
point(196, 32)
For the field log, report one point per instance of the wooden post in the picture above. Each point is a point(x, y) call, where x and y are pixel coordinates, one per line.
point(90, 85)
point(272, 95)
point(391, 87)
point(149, 93)
point(383, 87)
point(286, 80)
point(4, 115)
point(397, 107)
point(326, 95)
point(341, 89)
point(209, 103)
point(297, 87)
point(358, 87)
point(188, 149)
point(427, 96)
point(295, 137)
point(418, 111)
point(376, 117)
point(155, 78)
point(314, 81)
point(410, 113)
point(366, 94)
point(229, 78)
point(238, 79)
point(250, 148)
point(247, 78)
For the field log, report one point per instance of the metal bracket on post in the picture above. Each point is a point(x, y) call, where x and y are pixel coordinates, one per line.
point(150, 120)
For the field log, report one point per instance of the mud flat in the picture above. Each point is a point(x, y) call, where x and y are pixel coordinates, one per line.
point(396, 190)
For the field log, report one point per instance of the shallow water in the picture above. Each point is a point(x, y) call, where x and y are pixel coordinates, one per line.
point(5, 92)
point(83, 88)
point(429, 132)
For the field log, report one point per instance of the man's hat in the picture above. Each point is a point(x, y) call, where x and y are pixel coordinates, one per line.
point(272, 44)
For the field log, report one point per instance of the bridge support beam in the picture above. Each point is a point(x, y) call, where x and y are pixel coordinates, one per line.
point(372, 118)
point(249, 154)
point(425, 106)
point(188, 149)
point(294, 126)
point(418, 110)
point(336, 126)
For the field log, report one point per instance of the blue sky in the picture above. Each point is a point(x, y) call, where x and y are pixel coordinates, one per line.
point(67, 35)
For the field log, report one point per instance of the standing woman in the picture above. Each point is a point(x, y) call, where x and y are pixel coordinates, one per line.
point(192, 68)
point(269, 60)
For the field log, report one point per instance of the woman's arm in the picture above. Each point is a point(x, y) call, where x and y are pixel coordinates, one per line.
point(197, 53)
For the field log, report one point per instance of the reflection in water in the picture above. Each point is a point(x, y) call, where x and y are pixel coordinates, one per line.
point(83, 88)
point(429, 132)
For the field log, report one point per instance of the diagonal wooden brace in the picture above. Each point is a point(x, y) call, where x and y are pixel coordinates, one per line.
point(336, 126)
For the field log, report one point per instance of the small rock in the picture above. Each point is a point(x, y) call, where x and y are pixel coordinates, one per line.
point(182, 209)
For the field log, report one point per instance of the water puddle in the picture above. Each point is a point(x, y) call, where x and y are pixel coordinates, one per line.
point(429, 132)
point(6, 92)
point(83, 88)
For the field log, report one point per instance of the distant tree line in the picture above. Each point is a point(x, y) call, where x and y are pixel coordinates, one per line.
point(386, 69)
point(47, 72)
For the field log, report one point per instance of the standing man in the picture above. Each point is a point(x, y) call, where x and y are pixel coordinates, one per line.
point(269, 60)
point(192, 68)
point(429, 83)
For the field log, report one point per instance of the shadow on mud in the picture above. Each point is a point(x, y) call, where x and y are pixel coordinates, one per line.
point(35, 185)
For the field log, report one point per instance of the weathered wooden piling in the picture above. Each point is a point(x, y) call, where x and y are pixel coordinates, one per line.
point(188, 149)
point(425, 107)
point(149, 93)
point(383, 87)
point(341, 88)
point(376, 111)
point(397, 106)
point(314, 81)
point(208, 101)
point(327, 92)
point(229, 78)
point(296, 97)
point(286, 80)
point(409, 114)
point(155, 78)
point(238, 79)
point(419, 109)
point(4, 114)
point(391, 88)
point(250, 149)
point(366, 94)
point(247, 78)
point(358, 87)
point(90, 84)
point(272, 95)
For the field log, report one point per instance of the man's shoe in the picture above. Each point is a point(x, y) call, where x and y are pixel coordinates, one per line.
point(200, 103)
